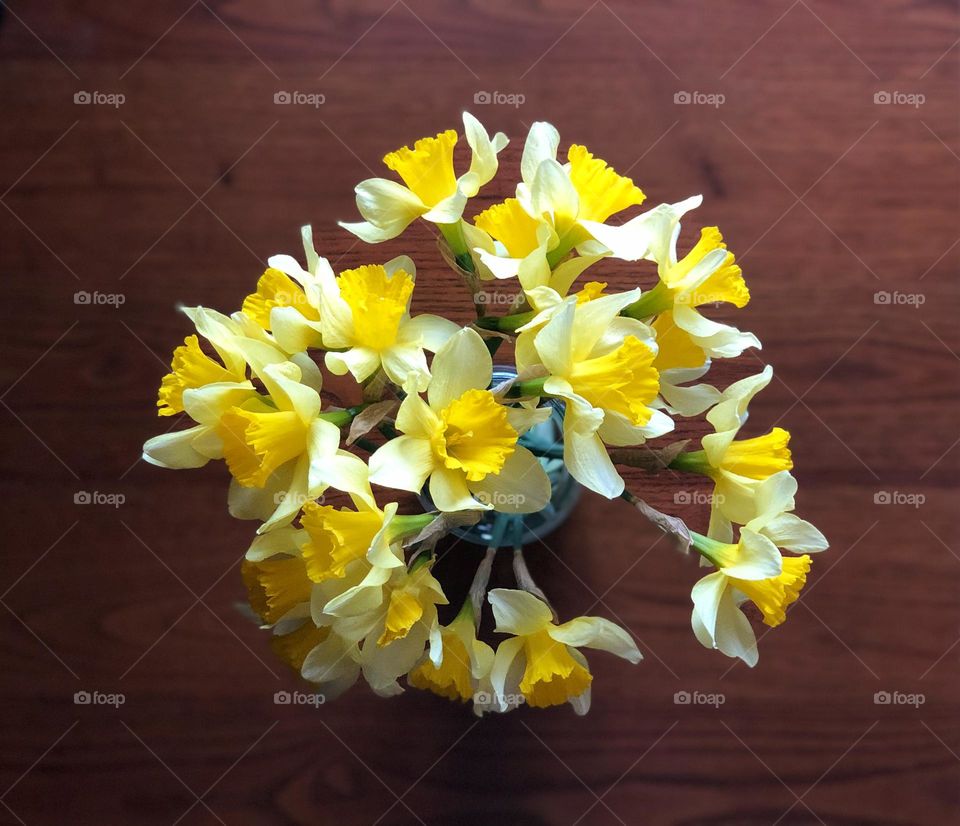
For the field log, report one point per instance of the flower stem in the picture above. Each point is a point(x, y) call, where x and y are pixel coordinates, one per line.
point(523, 389)
point(650, 303)
point(505, 323)
point(453, 233)
point(342, 417)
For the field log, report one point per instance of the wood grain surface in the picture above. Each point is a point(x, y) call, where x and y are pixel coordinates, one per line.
point(180, 193)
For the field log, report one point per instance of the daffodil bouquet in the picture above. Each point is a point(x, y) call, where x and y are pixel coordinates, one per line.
point(349, 591)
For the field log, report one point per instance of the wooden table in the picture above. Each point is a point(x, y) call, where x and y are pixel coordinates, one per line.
point(180, 192)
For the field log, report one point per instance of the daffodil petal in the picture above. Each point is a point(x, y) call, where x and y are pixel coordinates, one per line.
point(598, 633)
point(462, 364)
point(403, 463)
point(518, 612)
point(522, 486)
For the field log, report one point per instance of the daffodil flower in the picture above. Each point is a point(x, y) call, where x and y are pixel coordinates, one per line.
point(287, 300)
point(283, 444)
point(392, 615)
point(507, 242)
point(541, 660)
point(707, 274)
point(737, 466)
point(571, 196)
point(601, 365)
point(680, 361)
point(367, 323)
point(753, 569)
point(432, 189)
point(464, 661)
point(203, 387)
point(463, 439)
point(279, 591)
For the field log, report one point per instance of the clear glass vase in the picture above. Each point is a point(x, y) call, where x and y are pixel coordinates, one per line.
point(546, 442)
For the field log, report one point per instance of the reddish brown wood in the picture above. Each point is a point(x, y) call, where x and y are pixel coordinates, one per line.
point(96, 209)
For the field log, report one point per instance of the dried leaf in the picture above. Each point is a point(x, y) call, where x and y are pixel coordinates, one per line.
point(670, 525)
point(442, 525)
point(368, 418)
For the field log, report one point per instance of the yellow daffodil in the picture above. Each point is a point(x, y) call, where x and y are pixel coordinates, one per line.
point(507, 242)
point(737, 466)
point(753, 569)
point(367, 323)
point(287, 300)
point(680, 361)
point(432, 190)
point(205, 388)
point(541, 660)
point(529, 236)
point(705, 275)
point(463, 439)
point(397, 630)
point(282, 443)
point(464, 661)
point(601, 365)
point(569, 196)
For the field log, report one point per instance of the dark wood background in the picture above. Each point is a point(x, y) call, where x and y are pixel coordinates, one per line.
point(180, 194)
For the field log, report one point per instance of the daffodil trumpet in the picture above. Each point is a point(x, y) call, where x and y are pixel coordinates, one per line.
point(349, 588)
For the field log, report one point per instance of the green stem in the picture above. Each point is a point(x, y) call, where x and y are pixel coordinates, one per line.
point(505, 323)
point(693, 461)
point(650, 303)
point(530, 387)
point(453, 233)
point(708, 548)
point(342, 417)
point(410, 524)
